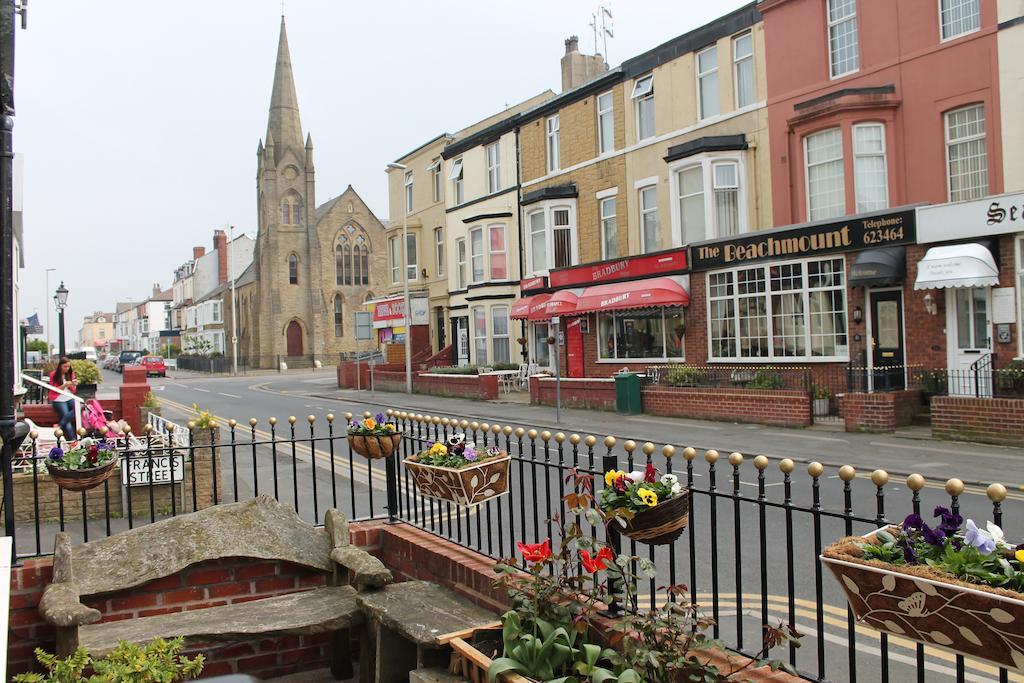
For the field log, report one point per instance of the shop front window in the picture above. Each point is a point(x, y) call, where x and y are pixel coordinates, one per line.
point(541, 350)
point(641, 335)
point(794, 310)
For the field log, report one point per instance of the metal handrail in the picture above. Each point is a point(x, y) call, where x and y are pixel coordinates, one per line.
point(78, 401)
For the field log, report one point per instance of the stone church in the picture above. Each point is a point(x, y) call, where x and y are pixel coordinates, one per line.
point(313, 266)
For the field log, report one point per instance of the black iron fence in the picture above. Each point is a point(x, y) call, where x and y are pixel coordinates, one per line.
point(749, 555)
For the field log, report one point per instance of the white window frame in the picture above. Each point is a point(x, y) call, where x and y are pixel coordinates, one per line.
point(412, 261)
point(701, 75)
point(493, 167)
point(408, 192)
point(953, 36)
point(960, 141)
point(603, 222)
point(460, 260)
point(644, 247)
point(807, 174)
point(643, 91)
point(495, 337)
point(830, 24)
point(457, 176)
point(489, 274)
point(396, 259)
point(473, 256)
point(615, 346)
point(554, 144)
point(769, 312)
point(861, 155)
point(435, 174)
point(439, 251)
point(739, 61)
point(548, 208)
point(473, 334)
point(605, 146)
point(706, 162)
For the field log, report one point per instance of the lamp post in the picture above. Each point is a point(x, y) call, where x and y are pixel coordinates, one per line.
point(405, 284)
point(234, 302)
point(49, 345)
point(60, 300)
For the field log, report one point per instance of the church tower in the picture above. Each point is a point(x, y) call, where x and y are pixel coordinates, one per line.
point(287, 249)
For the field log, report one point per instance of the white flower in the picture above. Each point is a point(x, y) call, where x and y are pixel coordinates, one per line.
point(636, 475)
point(672, 482)
point(996, 533)
point(677, 488)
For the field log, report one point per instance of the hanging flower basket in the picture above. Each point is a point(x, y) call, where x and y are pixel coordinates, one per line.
point(661, 524)
point(81, 466)
point(928, 606)
point(456, 472)
point(374, 437)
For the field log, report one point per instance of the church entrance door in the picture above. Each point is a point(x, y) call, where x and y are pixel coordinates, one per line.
point(294, 336)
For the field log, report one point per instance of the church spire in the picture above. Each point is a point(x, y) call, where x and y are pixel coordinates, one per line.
point(283, 125)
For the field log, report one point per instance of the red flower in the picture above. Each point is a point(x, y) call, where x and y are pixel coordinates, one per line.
point(535, 552)
point(620, 484)
point(650, 476)
point(597, 562)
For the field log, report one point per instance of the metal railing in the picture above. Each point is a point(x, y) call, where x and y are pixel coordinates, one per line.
point(749, 555)
point(77, 400)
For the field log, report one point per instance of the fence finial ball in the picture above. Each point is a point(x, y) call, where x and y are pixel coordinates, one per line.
point(996, 493)
point(445, 421)
point(629, 446)
point(419, 417)
point(330, 417)
point(348, 416)
point(463, 423)
point(879, 478)
point(574, 439)
point(292, 419)
point(58, 432)
point(83, 432)
point(590, 440)
point(545, 436)
point(954, 487)
point(647, 448)
point(474, 425)
point(506, 430)
point(609, 442)
point(147, 429)
point(390, 412)
point(690, 453)
point(273, 420)
point(33, 435)
point(815, 469)
point(532, 434)
point(435, 420)
point(253, 422)
point(735, 459)
point(496, 429)
point(668, 450)
point(231, 423)
point(520, 432)
point(367, 413)
point(559, 437)
point(847, 472)
point(761, 462)
point(485, 427)
point(711, 456)
point(311, 419)
point(787, 466)
point(915, 482)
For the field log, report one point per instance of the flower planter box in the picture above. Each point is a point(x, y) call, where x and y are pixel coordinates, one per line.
point(912, 602)
point(81, 480)
point(821, 407)
point(472, 664)
point(661, 524)
point(374, 446)
point(466, 486)
point(86, 391)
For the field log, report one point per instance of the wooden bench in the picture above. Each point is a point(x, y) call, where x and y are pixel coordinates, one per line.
point(261, 529)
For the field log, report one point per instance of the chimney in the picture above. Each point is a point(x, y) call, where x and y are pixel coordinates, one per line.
point(156, 289)
point(198, 253)
point(578, 68)
point(220, 244)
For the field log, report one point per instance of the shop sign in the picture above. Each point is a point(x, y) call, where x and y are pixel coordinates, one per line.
point(615, 270)
point(850, 235)
point(391, 312)
point(532, 283)
point(966, 220)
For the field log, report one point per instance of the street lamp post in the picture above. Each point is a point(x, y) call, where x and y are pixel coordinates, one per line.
point(49, 345)
point(234, 302)
point(60, 299)
point(405, 285)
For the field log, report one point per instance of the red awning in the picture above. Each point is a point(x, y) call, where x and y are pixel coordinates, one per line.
point(521, 309)
point(657, 291)
point(560, 303)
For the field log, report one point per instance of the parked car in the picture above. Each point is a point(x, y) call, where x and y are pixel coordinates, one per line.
point(127, 358)
point(90, 353)
point(154, 366)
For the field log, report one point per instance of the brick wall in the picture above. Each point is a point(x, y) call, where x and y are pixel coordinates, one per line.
point(988, 420)
point(483, 387)
point(207, 584)
point(880, 412)
point(773, 407)
point(576, 393)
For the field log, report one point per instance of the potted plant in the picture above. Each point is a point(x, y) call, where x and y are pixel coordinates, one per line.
point(646, 508)
point(821, 400)
point(149, 406)
point(88, 375)
point(81, 465)
point(959, 588)
point(374, 437)
point(458, 472)
point(160, 660)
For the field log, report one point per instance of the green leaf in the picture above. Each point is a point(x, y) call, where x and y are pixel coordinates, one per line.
point(503, 664)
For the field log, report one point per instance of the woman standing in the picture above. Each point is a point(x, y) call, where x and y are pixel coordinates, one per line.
point(64, 378)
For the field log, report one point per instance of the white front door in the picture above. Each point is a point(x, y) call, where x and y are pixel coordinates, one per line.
point(463, 341)
point(969, 339)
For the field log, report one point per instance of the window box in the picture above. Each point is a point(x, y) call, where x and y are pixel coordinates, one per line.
point(466, 486)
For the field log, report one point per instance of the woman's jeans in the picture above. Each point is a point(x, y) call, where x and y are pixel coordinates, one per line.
point(66, 418)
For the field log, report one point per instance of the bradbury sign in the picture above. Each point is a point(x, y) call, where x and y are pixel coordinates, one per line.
point(850, 235)
point(616, 270)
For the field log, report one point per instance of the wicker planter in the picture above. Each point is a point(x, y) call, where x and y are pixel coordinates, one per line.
point(81, 480)
point(977, 621)
point(661, 524)
point(374, 446)
point(467, 486)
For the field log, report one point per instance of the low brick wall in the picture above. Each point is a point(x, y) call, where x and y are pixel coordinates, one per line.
point(986, 420)
point(594, 392)
point(44, 415)
point(880, 412)
point(207, 584)
point(787, 408)
point(385, 380)
point(346, 373)
point(482, 387)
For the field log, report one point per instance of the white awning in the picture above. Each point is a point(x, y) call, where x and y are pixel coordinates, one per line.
point(958, 265)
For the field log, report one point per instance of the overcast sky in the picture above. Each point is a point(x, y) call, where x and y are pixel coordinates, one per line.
point(138, 120)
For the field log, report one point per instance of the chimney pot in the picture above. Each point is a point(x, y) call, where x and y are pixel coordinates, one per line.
point(572, 44)
point(198, 253)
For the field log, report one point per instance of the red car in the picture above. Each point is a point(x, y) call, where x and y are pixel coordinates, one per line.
point(154, 366)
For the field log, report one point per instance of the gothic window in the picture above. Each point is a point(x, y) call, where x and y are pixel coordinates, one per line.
point(293, 269)
point(285, 212)
point(338, 319)
point(354, 270)
point(365, 259)
point(295, 215)
point(348, 264)
point(339, 268)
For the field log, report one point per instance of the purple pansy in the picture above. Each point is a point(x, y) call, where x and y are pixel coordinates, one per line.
point(913, 522)
point(379, 417)
point(469, 453)
point(951, 521)
point(978, 538)
point(56, 453)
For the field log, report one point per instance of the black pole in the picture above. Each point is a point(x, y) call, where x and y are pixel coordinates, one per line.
point(8, 420)
point(62, 350)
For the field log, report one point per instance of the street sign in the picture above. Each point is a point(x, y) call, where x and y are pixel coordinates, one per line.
point(364, 325)
point(135, 470)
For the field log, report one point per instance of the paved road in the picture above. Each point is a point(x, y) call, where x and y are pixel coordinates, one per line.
point(726, 558)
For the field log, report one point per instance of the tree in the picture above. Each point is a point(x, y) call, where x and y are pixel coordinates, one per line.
point(36, 345)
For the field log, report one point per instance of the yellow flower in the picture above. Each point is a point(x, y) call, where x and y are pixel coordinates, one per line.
point(369, 423)
point(610, 476)
point(390, 427)
point(438, 449)
point(1019, 555)
point(649, 497)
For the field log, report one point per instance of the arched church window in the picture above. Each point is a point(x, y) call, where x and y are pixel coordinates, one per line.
point(339, 270)
point(296, 220)
point(293, 269)
point(365, 259)
point(339, 321)
point(354, 272)
point(285, 212)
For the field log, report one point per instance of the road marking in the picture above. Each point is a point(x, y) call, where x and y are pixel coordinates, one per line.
point(807, 436)
point(220, 393)
point(177, 384)
point(932, 449)
point(205, 391)
point(690, 425)
point(925, 465)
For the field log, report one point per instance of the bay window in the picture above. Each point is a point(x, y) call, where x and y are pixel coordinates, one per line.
point(412, 262)
point(396, 260)
point(502, 352)
point(480, 335)
point(408, 192)
point(871, 185)
point(460, 259)
point(439, 250)
point(649, 334)
point(498, 252)
point(795, 310)
point(609, 231)
point(727, 198)
point(476, 254)
point(488, 262)
point(823, 170)
point(709, 201)
point(552, 237)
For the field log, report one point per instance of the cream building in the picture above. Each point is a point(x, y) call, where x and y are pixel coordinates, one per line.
point(97, 330)
point(1010, 41)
